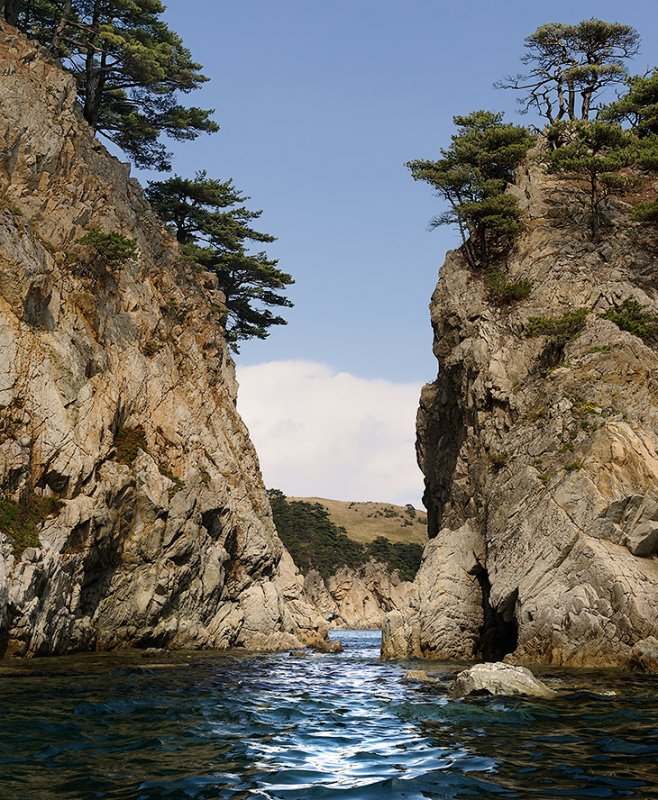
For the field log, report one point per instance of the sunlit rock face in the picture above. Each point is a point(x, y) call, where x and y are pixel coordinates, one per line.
point(540, 455)
point(358, 598)
point(117, 400)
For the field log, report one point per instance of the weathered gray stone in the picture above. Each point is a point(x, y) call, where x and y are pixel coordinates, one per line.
point(358, 598)
point(499, 679)
point(178, 547)
point(644, 655)
point(544, 451)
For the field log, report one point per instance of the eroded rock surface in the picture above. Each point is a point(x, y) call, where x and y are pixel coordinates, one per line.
point(540, 454)
point(170, 545)
point(358, 598)
point(499, 679)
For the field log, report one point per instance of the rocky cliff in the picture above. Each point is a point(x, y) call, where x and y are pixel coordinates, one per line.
point(540, 451)
point(131, 509)
point(358, 598)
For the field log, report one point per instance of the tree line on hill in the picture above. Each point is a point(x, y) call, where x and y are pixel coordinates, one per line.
point(316, 543)
point(131, 71)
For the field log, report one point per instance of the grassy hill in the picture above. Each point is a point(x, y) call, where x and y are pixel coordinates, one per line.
point(364, 522)
point(316, 541)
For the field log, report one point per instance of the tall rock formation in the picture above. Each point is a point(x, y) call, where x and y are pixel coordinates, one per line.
point(540, 452)
point(123, 462)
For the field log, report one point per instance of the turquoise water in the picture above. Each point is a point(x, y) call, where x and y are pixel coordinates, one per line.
point(346, 726)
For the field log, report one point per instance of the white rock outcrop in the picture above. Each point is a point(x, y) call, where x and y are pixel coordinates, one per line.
point(499, 679)
point(174, 543)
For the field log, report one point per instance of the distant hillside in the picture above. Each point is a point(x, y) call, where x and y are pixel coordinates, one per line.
point(317, 542)
point(364, 522)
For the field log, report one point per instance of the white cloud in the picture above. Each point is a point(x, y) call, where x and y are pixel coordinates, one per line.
point(330, 434)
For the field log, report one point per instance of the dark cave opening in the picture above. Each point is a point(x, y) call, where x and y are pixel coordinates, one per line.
point(499, 634)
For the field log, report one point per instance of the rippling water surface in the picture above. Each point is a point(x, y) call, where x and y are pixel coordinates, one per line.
point(205, 726)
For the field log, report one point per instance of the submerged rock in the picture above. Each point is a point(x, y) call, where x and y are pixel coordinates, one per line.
point(148, 521)
point(499, 679)
point(420, 676)
point(540, 452)
point(329, 646)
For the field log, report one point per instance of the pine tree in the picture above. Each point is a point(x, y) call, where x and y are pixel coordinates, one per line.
point(571, 65)
point(639, 106)
point(214, 230)
point(129, 68)
point(472, 176)
point(596, 150)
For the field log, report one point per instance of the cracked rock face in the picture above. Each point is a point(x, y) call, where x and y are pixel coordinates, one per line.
point(358, 598)
point(170, 542)
point(540, 455)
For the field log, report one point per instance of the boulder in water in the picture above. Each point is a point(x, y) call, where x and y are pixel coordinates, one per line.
point(500, 679)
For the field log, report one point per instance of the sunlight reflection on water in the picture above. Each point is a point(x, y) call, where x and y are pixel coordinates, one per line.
point(207, 726)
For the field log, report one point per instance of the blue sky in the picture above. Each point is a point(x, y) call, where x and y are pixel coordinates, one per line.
point(320, 106)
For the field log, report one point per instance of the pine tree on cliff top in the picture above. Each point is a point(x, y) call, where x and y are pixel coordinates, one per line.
point(130, 69)
point(471, 176)
point(214, 230)
point(570, 66)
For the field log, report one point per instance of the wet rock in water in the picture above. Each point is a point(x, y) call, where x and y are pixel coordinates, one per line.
point(152, 652)
point(644, 656)
point(419, 675)
point(500, 679)
point(329, 646)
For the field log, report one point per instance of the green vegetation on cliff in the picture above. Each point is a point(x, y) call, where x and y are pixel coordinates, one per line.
point(315, 542)
point(603, 150)
point(131, 70)
point(214, 230)
point(471, 176)
point(129, 66)
point(21, 520)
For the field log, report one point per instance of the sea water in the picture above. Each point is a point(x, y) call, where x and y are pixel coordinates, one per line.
point(346, 725)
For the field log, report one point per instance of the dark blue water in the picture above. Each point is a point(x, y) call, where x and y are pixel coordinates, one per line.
point(343, 726)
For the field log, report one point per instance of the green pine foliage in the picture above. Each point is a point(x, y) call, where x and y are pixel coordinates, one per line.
point(315, 542)
point(638, 107)
point(113, 247)
point(596, 151)
point(130, 70)
point(565, 327)
point(312, 539)
point(631, 317)
point(571, 66)
point(471, 177)
point(504, 290)
point(405, 557)
point(215, 231)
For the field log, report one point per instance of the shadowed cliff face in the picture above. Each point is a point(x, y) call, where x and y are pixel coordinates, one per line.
point(117, 399)
point(540, 455)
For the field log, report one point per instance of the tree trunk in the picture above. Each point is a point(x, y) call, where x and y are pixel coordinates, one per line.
point(11, 10)
point(595, 202)
point(572, 99)
point(92, 74)
point(61, 25)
